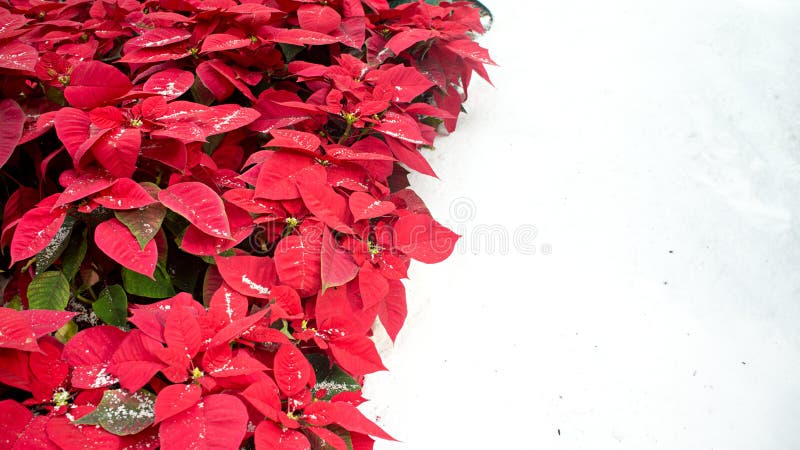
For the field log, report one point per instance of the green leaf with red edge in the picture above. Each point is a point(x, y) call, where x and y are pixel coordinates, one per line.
point(292, 370)
point(424, 239)
point(270, 436)
point(93, 83)
point(345, 415)
point(356, 354)
point(134, 362)
point(122, 413)
point(143, 223)
point(394, 310)
point(337, 266)
point(200, 205)
point(365, 206)
point(251, 275)
point(217, 422)
point(175, 399)
point(35, 230)
point(116, 241)
point(13, 119)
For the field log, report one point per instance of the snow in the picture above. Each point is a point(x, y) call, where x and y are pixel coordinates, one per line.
point(640, 161)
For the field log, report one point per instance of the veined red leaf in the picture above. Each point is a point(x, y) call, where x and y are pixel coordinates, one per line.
point(175, 399)
point(356, 354)
point(424, 239)
point(345, 415)
point(199, 243)
point(70, 437)
point(270, 436)
point(372, 284)
point(230, 363)
point(73, 129)
point(336, 265)
point(21, 430)
point(410, 157)
point(251, 275)
point(221, 42)
point(402, 127)
point(159, 37)
point(34, 232)
point(88, 354)
point(124, 194)
point(227, 304)
point(276, 181)
point(298, 140)
point(13, 119)
point(223, 118)
point(469, 49)
point(93, 83)
point(296, 36)
point(330, 438)
point(134, 363)
point(44, 321)
point(297, 261)
point(218, 422)
point(171, 83)
point(183, 336)
point(116, 241)
point(118, 150)
point(265, 397)
point(365, 206)
point(293, 372)
point(16, 331)
point(16, 56)
point(393, 311)
point(156, 54)
point(407, 38)
point(273, 114)
point(404, 83)
point(323, 202)
point(86, 184)
point(200, 205)
point(322, 19)
point(236, 328)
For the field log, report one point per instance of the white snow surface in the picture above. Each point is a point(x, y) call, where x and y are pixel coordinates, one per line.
point(641, 161)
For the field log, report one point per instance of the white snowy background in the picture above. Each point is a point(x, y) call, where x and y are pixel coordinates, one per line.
point(640, 161)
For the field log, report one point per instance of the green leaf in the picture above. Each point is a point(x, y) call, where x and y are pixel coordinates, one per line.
point(48, 255)
point(49, 290)
point(112, 306)
point(144, 222)
point(122, 413)
point(333, 379)
point(73, 256)
point(138, 284)
point(65, 333)
point(290, 51)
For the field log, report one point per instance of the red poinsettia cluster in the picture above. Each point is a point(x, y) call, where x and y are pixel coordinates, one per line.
point(206, 212)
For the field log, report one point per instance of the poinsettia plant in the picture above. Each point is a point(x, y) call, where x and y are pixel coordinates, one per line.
point(206, 213)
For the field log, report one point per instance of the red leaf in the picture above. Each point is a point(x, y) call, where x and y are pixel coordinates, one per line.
point(125, 194)
point(70, 437)
point(175, 399)
point(365, 206)
point(323, 202)
point(297, 261)
point(183, 337)
point(404, 83)
point(218, 422)
point(118, 150)
point(296, 36)
point(86, 184)
point(329, 437)
point(264, 396)
point(171, 83)
point(292, 370)
point(73, 129)
point(270, 436)
point(199, 243)
point(200, 205)
point(16, 331)
point(223, 118)
point(407, 38)
point(336, 265)
point(231, 363)
point(16, 56)
point(322, 19)
point(345, 415)
point(88, 354)
point(35, 230)
point(117, 241)
point(45, 322)
point(469, 49)
point(134, 362)
point(251, 275)
point(424, 239)
point(222, 42)
point(356, 355)
point(402, 127)
point(393, 311)
point(236, 329)
point(372, 284)
point(21, 430)
point(298, 140)
point(276, 181)
point(13, 119)
point(159, 37)
point(93, 83)
point(228, 304)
